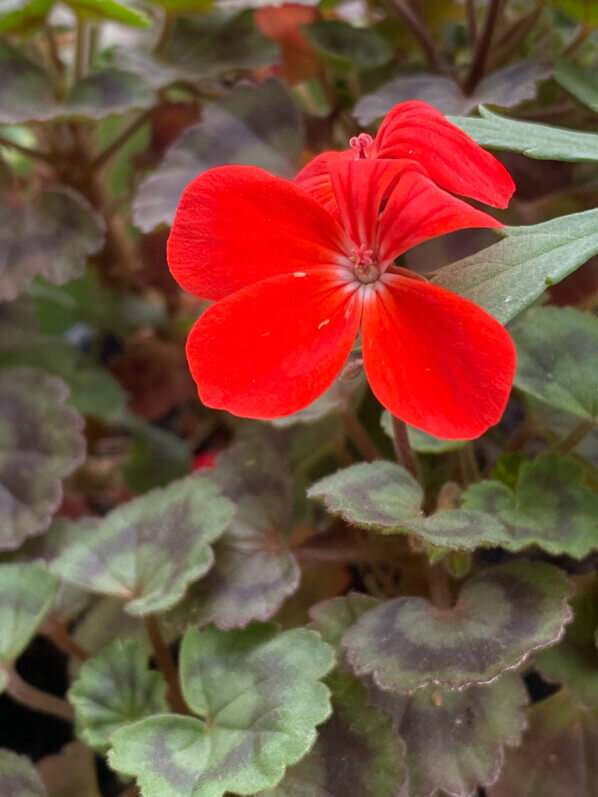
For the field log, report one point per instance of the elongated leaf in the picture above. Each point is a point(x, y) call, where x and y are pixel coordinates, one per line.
point(500, 618)
point(148, 551)
point(52, 236)
point(384, 497)
point(455, 740)
point(574, 661)
point(534, 140)
point(109, 9)
point(582, 10)
point(506, 87)
point(254, 571)
point(18, 16)
point(578, 82)
point(510, 275)
point(557, 358)
point(260, 696)
point(254, 125)
point(559, 754)
point(18, 777)
point(347, 47)
point(26, 593)
point(26, 92)
point(356, 751)
point(40, 444)
point(115, 689)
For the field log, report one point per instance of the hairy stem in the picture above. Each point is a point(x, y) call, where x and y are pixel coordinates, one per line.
point(33, 698)
point(439, 586)
point(166, 664)
point(403, 448)
point(57, 633)
point(575, 436)
point(416, 26)
point(478, 65)
point(358, 435)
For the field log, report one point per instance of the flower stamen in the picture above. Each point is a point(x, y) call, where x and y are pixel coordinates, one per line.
point(360, 143)
point(365, 266)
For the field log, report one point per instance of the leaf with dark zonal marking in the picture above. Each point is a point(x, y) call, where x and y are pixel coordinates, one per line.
point(253, 125)
point(254, 570)
point(574, 661)
point(115, 689)
point(149, 550)
point(26, 594)
point(559, 754)
point(333, 617)
point(384, 497)
point(261, 699)
point(500, 618)
point(18, 777)
point(41, 442)
point(534, 140)
point(52, 236)
point(508, 276)
point(550, 506)
point(356, 751)
point(557, 358)
point(27, 94)
point(455, 740)
point(506, 87)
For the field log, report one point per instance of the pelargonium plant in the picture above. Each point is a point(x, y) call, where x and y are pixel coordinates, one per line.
point(298, 399)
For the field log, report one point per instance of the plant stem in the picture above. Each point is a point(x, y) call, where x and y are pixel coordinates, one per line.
point(33, 698)
point(359, 436)
point(165, 33)
point(575, 436)
point(514, 36)
point(468, 464)
point(31, 153)
point(439, 585)
point(347, 555)
point(583, 33)
point(403, 448)
point(81, 49)
point(55, 58)
point(57, 633)
point(101, 159)
point(472, 22)
point(482, 48)
point(416, 26)
point(166, 664)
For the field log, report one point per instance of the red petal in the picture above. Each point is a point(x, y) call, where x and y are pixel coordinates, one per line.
point(314, 178)
point(236, 225)
point(418, 131)
point(418, 210)
point(436, 360)
point(274, 347)
point(359, 186)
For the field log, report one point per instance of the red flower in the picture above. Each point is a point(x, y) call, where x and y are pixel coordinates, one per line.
point(295, 284)
point(417, 131)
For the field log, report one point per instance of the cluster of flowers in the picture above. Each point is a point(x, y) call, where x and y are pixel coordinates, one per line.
point(298, 268)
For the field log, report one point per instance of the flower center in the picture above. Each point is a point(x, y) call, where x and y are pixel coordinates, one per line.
point(365, 266)
point(360, 143)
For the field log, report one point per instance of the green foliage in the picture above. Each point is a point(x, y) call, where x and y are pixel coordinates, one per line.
point(108, 9)
point(149, 550)
point(260, 698)
point(407, 643)
point(115, 689)
point(348, 47)
point(22, 15)
point(580, 83)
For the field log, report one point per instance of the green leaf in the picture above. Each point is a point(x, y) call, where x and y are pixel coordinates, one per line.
point(557, 358)
point(579, 82)
point(185, 6)
point(582, 10)
point(559, 754)
point(501, 616)
point(331, 618)
point(384, 497)
point(26, 594)
point(220, 42)
point(41, 443)
point(253, 125)
point(27, 94)
point(115, 689)
point(510, 275)
point(543, 142)
point(149, 550)
point(338, 396)
point(574, 661)
point(347, 47)
point(93, 390)
point(356, 751)
point(506, 87)
point(550, 507)
point(157, 456)
point(109, 9)
point(260, 697)
point(53, 235)
point(254, 570)
point(18, 777)
point(20, 16)
point(422, 442)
